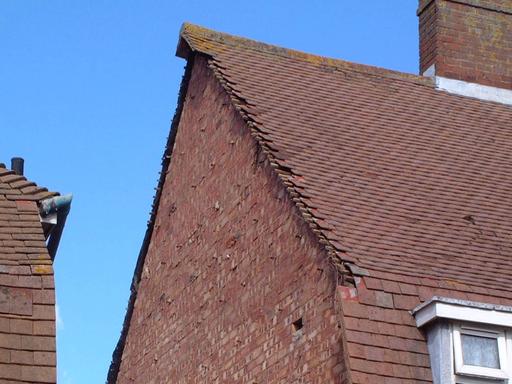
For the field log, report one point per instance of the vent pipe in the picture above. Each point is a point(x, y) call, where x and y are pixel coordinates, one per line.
point(17, 164)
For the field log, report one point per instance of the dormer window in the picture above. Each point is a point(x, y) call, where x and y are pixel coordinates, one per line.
point(469, 342)
point(479, 352)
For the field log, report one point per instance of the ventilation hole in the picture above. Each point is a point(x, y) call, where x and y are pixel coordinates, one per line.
point(297, 325)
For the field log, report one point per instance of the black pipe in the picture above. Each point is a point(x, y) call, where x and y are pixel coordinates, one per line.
point(17, 165)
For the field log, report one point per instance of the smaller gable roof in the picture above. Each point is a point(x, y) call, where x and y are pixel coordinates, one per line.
point(21, 233)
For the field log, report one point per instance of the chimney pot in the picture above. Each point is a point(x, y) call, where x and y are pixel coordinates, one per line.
point(17, 165)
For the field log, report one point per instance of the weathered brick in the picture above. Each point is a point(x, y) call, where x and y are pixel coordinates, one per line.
point(10, 371)
point(479, 51)
point(22, 357)
point(16, 301)
point(42, 269)
point(5, 355)
point(20, 326)
point(46, 328)
point(29, 281)
point(38, 343)
point(10, 341)
point(45, 358)
point(43, 312)
point(43, 296)
point(218, 299)
point(26, 206)
point(4, 324)
point(38, 374)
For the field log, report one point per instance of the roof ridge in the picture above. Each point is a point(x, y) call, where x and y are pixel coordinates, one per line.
point(200, 39)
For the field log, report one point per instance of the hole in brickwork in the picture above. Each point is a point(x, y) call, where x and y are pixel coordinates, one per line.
point(297, 325)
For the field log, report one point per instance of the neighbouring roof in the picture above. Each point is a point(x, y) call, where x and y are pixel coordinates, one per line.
point(21, 232)
point(24, 259)
point(409, 183)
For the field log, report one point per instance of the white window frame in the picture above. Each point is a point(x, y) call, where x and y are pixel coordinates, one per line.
point(444, 319)
point(476, 371)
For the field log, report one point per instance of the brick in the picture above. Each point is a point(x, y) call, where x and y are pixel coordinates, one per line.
point(4, 325)
point(38, 343)
point(42, 269)
point(29, 281)
point(20, 326)
point(46, 328)
point(39, 374)
point(10, 371)
point(45, 358)
point(10, 341)
point(26, 206)
point(5, 356)
point(48, 282)
point(43, 296)
point(16, 301)
point(43, 312)
point(22, 357)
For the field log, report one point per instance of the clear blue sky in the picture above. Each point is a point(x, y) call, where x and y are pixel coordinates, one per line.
point(87, 93)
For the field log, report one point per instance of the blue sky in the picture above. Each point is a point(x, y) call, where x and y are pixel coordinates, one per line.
point(87, 93)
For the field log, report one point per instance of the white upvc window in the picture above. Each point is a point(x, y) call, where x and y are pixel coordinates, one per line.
point(480, 352)
point(468, 342)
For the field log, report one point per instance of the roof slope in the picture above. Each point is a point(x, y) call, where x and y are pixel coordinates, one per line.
point(399, 176)
point(19, 218)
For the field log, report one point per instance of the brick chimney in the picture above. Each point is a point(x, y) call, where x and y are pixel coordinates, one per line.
point(468, 40)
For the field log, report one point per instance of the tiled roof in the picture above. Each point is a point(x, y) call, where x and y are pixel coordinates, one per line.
point(27, 345)
point(19, 216)
point(408, 182)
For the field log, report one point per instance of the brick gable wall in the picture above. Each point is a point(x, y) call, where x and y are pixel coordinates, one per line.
point(230, 267)
point(468, 40)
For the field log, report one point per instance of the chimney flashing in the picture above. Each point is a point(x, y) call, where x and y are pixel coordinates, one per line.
point(474, 90)
point(430, 72)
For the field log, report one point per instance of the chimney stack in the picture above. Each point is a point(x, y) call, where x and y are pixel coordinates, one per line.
point(17, 164)
point(467, 40)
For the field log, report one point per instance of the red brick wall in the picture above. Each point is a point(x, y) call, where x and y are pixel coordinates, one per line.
point(27, 297)
point(468, 40)
point(230, 267)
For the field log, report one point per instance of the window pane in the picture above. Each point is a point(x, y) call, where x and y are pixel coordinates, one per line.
point(480, 351)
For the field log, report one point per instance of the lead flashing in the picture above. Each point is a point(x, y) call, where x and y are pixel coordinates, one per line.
point(464, 310)
point(474, 90)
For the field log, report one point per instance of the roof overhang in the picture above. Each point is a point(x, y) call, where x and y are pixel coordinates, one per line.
point(462, 310)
